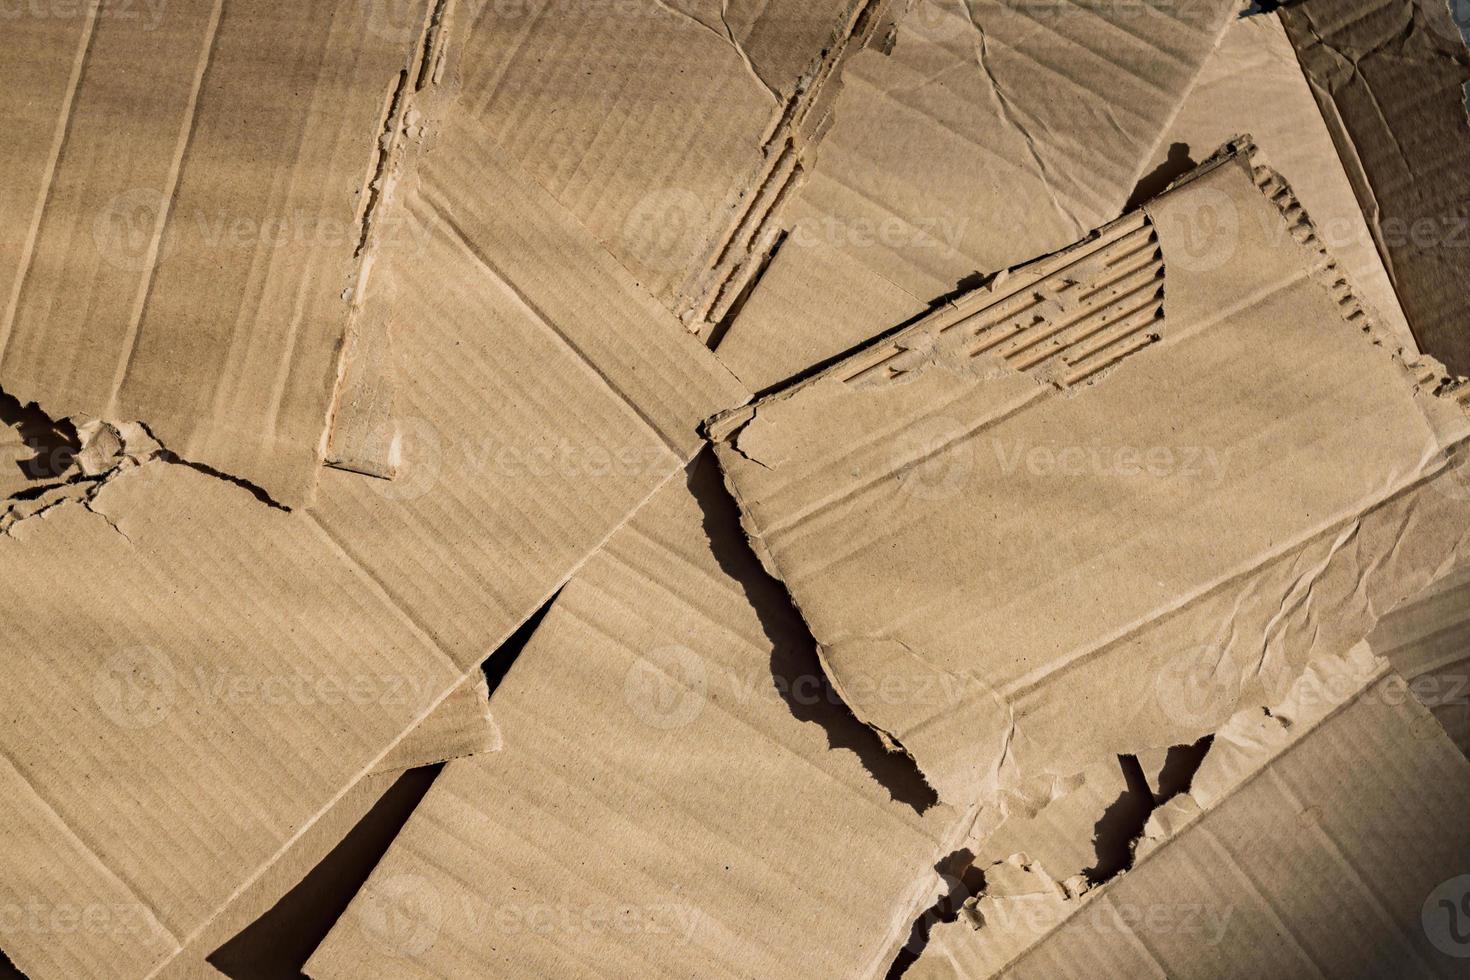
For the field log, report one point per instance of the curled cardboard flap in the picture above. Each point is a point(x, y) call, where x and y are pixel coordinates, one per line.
point(1223, 472)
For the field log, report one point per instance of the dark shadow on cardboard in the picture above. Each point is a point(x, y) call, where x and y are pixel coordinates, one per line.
point(795, 670)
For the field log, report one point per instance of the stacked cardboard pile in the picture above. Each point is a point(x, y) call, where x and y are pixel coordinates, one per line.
point(943, 488)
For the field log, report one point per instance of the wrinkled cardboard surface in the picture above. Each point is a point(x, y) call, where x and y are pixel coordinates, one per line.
point(1390, 77)
point(545, 396)
point(1314, 841)
point(645, 727)
point(189, 190)
point(991, 133)
point(1285, 483)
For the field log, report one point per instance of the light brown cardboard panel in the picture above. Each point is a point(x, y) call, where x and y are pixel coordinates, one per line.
point(1427, 639)
point(658, 124)
point(188, 257)
point(193, 679)
point(1362, 883)
point(1390, 77)
point(660, 808)
point(1253, 84)
point(538, 436)
point(982, 140)
point(1217, 465)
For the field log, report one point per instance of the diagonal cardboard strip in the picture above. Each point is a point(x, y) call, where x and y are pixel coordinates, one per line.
point(247, 666)
point(670, 694)
point(1223, 474)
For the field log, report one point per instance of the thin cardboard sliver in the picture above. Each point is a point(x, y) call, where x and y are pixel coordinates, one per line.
point(1283, 479)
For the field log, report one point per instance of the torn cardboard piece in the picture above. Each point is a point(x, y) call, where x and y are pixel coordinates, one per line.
point(1252, 83)
point(1108, 496)
point(1362, 883)
point(1390, 77)
point(192, 269)
point(1427, 639)
point(991, 133)
point(670, 694)
point(546, 397)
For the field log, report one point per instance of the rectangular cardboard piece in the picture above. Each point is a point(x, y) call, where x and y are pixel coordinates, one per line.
point(1148, 476)
point(670, 696)
point(187, 198)
point(1390, 77)
point(238, 667)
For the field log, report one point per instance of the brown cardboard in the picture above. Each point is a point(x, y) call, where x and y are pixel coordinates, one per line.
point(165, 760)
point(1427, 639)
point(990, 133)
point(1319, 839)
point(190, 203)
point(1390, 76)
point(671, 128)
point(677, 794)
point(1286, 480)
point(1253, 84)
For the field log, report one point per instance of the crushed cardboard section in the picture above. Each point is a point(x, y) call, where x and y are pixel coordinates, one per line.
point(1315, 841)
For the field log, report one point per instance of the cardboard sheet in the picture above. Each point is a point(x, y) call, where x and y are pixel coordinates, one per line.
point(1325, 838)
point(1108, 495)
point(187, 200)
point(670, 696)
point(991, 133)
point(1390, 77)
point(246, 666)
